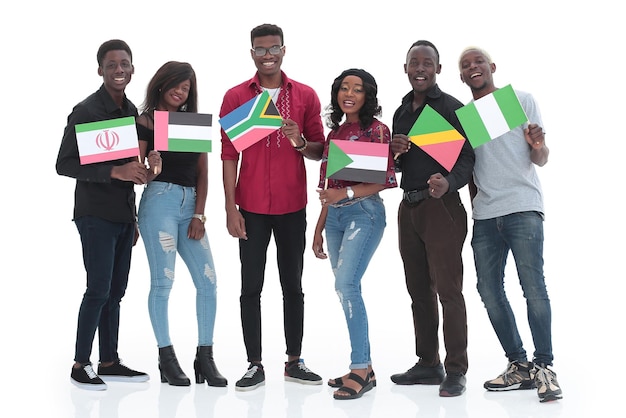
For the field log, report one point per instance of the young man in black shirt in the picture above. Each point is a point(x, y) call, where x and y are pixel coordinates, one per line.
point(104, 213)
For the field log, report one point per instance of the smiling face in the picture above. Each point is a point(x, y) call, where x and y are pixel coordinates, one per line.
point(268, 65)
point(477, 72)
point(172, 99)
point(351, 97)
point(116, 71)
point(422, 68)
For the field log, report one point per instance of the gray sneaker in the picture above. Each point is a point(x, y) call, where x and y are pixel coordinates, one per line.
point(516, 376)
point(254, 377)
point(548, 388)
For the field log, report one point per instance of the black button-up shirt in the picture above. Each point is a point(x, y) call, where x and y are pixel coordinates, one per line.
point(96, 193)
point(416, 165)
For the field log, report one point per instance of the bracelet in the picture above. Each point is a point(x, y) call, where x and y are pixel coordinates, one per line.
point(303, 146)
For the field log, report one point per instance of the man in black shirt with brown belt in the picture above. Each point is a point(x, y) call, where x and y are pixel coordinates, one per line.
point(432, 226)
point(104, 213)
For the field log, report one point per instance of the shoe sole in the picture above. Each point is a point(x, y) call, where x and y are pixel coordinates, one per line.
point(517, 386)
point(89, 386)
point(420, 382)
point(446, 394)
point(357, 395)
point(302, 381)
point(134, 379)
point(550, 398)
point(249, 388)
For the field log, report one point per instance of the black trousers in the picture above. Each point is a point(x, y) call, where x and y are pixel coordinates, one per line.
point(289, 235)
point(431, 236)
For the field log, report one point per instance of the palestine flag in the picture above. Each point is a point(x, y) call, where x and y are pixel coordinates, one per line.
point(491, 116)
point(365, 162)
point(253, 120)
point(437, 138)
point(107, 140)
point(182, 131)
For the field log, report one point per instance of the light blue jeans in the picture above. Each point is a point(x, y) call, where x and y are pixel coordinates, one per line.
point(165, 212)
point(353, 233)
point(522, 234)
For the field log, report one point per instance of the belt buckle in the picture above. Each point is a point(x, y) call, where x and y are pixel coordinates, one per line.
point(415, 196)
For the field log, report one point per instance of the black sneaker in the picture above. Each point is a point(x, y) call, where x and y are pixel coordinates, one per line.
point(296, 371)
point(420, 375)
point(254, 377)
point(453, 385)
point(118, 372)
point(548, 388)
point(516, 376)
point(85, 378)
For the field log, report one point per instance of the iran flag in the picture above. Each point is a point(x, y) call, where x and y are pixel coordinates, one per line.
point(107, 140)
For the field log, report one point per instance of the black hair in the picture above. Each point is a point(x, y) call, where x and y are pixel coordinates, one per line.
point(267, 29)
point(423, 42)
point(171, 74)
point(112, 45)
point(370, 108)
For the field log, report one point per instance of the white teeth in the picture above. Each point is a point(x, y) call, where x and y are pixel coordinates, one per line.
point(268, 64)
point(475, 75)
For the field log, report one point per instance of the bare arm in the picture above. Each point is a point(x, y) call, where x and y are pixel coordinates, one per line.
point(536, 139)
point(234, 220)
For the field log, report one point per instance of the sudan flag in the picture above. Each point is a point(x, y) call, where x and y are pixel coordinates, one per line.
point(491, 116)
point(365, 162)
point(182, 131)
point(253, 120)
point(107, 140)
point(437, 138)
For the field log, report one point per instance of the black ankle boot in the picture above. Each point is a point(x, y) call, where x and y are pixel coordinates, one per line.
point(205, 368)
point(170, 369)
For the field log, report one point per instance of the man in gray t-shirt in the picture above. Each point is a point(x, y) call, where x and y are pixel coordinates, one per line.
point(507, 208)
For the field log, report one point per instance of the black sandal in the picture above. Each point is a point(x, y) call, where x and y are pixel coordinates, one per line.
point(339, 381)
point(366, 386)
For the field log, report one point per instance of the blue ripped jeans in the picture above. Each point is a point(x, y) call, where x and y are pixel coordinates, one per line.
point(165, 211)
point(522, 234)
point(353, 233)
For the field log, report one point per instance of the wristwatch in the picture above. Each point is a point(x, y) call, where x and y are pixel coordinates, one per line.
point(350, 193)
point(199, 216)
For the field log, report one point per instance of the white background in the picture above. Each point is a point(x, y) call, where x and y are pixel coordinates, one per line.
point(567, 54)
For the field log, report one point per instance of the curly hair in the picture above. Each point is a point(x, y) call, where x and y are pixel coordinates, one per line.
point(367, 113)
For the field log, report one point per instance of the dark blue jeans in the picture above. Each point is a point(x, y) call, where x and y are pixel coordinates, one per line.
point(522, 234)
point(107, 248)
point(289, 235)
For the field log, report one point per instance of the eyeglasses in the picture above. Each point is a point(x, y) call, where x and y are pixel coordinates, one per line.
point(259, 51)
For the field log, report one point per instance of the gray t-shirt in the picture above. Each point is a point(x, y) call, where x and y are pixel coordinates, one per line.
point(505, 176)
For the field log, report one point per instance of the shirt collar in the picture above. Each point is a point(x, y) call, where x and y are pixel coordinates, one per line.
point(433, 93)
point(255, 82)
